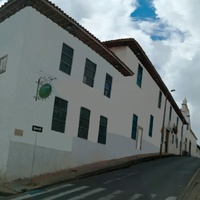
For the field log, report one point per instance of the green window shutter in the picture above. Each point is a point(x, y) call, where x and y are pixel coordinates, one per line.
point(151, 125)
point(160, 99)
point(108, 85)
point(134, 127)
point(59, 115)
point(66, 59)
point(139, 76)
point(170, 113)
point(102, 130)
point(89, 73)
point(84, 122)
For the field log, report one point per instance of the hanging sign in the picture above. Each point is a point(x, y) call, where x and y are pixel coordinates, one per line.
point(45, 91)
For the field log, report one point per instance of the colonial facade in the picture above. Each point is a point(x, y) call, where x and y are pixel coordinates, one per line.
point(68, 99)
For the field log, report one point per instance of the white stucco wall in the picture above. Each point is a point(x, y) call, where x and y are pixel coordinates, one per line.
point(33, 44)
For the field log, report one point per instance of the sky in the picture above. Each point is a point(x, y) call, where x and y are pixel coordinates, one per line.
point(167, 30)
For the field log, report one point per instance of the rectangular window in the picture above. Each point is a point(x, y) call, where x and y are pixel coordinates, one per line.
point(170, 113)
point(108, 85)
point(59, 115)
point(102, 130)
point(160, 99)
point(89, 74)
point(139, 76)
point(66, 59)
point(134, 127)
point(3, 63)
point(151, 126)
point(84, 123)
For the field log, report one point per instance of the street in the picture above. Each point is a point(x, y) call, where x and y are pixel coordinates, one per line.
point(161, 179)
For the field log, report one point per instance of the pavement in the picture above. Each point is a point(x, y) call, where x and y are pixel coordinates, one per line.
point(192, 191)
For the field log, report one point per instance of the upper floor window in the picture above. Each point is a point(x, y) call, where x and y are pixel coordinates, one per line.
point(160, 99)
point(134, 127)
point(89, 74)
point(139, 76)
point(108, 85)
point(66, 59)
point(170, 113)
point(84, 122)
point(151, 125)
point(3, 63)
point(59, 115)
point(102, 130)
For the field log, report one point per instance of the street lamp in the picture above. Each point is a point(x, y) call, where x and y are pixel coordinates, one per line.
point(163, 123)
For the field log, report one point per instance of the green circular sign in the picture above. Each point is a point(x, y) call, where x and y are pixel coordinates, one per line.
point(45, 90)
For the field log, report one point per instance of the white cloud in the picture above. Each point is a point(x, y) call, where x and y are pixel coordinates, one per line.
point(2, 2)
point(176, 58)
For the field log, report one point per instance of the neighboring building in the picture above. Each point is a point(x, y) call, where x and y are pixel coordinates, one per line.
point(148, 97)
point(68, 100)
point(189, 140)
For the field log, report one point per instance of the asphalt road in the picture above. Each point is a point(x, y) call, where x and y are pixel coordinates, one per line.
point(162, 179)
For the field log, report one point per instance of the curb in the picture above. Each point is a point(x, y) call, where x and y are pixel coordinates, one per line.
point(111, 165)
point(188, 190)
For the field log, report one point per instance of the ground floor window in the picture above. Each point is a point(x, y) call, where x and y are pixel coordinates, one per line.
point(102, 130)
point(59, 115)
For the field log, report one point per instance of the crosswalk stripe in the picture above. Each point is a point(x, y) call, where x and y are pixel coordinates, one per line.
point(171, 198)
point(82, 196)
point(48, 190)
point(152, 196)
point(112, 195)
point(67, 192)
point(136, 196)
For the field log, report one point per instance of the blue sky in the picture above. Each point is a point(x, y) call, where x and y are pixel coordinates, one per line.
point(145, 11)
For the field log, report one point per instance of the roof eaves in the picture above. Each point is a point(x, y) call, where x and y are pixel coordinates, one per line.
point(55, 14)
point(142, 57)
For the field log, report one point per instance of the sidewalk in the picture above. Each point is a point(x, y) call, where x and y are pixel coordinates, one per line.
point(192, 191)
point(84, 171)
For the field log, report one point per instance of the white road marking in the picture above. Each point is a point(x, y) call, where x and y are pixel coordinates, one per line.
point(136, 196)
point(152, 196)
point(67, 192)
point(171, 198)
point(112, 195)
point(48, 190)
point(82, 196)
point(107, 182)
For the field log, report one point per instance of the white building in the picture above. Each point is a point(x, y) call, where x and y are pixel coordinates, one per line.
point(98, 109)
point(189, 140)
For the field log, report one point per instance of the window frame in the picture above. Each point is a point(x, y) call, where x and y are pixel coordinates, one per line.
point(151, 122)
point(103, 122)
point(84, 123)
point(108, 81)
point(88, 72)
point(139, 75)
point(170, 113)
point(160, 99)
point(3, 63)
point(57, 113)
point(134, 127)
point(67, 66)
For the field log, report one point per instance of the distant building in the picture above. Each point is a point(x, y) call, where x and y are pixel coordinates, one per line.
point(67, 99)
